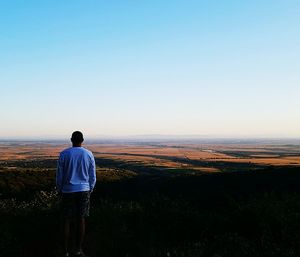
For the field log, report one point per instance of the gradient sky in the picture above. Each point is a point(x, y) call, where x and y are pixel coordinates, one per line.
point(219, 68)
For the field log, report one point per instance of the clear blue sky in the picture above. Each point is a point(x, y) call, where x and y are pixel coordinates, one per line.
point(226, 67)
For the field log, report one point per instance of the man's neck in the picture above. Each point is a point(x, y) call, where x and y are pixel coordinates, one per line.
point(76, 145)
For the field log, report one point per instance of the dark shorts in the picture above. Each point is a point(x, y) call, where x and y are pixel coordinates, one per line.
point(75, 205)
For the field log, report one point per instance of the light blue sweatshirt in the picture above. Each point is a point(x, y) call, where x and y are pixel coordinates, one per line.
point(76, 170)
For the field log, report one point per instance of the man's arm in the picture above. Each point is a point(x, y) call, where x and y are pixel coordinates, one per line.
point(92, 174)
point(59, 175)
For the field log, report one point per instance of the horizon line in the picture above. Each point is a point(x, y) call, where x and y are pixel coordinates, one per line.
point(152, 137)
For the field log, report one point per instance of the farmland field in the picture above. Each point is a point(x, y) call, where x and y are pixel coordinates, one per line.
point(167, 158)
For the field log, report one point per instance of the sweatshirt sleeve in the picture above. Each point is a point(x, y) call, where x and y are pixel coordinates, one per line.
point(59, 175)
point(92, 174)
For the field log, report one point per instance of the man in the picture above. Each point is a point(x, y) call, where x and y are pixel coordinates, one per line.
point(75, 180)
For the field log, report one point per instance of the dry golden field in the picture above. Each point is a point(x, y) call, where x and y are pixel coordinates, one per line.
point(197, 157)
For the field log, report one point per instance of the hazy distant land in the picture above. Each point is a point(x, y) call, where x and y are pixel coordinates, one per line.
point(165, 156)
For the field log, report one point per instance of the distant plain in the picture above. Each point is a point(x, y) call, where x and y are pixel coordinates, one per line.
point(165, 156)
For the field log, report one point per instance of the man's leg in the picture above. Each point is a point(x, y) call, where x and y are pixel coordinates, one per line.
point(66, 234)
point(82, 212)
point(80, 233)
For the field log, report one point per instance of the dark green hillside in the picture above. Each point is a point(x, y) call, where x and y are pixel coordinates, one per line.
point(233, 214)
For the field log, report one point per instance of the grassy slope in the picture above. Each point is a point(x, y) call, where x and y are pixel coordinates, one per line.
point(234, 214)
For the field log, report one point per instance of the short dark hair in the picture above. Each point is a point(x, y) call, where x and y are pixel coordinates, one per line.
point(77, 137)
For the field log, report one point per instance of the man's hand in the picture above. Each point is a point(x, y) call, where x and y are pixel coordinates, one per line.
point(59, 194)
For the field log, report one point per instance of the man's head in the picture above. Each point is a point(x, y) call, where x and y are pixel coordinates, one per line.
point(77, 138)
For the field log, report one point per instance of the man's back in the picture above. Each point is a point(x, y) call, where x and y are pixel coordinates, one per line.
point(76, 170)
point(75, 180)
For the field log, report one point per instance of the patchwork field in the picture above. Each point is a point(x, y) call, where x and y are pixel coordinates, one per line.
point(163, 157)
